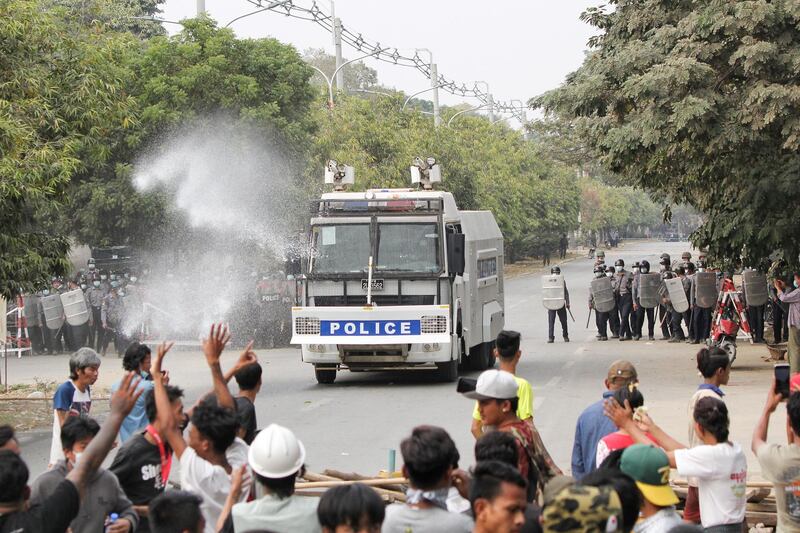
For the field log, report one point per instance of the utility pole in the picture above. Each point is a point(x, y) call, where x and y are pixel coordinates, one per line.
point(337, 46)
point(489, 100)
point(201, 7)
point(437, 119)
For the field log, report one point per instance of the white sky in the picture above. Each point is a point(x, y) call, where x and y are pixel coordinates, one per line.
point(521, 48)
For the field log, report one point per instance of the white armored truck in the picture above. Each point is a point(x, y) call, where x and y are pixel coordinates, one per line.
point(398, 279)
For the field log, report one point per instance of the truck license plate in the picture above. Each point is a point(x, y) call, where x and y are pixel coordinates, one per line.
point(377, 284)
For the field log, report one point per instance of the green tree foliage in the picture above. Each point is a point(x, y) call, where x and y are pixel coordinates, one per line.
point(485, 166)
point(356, 75)
point(196, 76)
point(60, 94)
point(697, 102)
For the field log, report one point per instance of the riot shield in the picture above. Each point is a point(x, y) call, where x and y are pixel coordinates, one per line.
point(755, 287)
point(32, 317)
point(705, 289)
point(648, 290)
point(74, 302)
point(553, 291)
point(53, 311)
point(603, 294)
point(677, 295)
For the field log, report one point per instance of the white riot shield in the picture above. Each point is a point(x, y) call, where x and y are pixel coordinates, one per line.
point(603, 294)
point(32, 317)
point(648, 289)
point(755, 287)
point(53, 311)
point(74, 302)
point(705, 289)
point(677, 295)
point(553, 291)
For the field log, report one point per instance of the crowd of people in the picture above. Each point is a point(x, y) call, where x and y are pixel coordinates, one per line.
point(234, 478)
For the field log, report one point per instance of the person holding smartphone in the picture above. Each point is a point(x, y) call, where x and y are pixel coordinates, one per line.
point(780, 464)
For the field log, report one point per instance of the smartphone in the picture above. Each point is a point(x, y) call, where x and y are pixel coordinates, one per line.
point(782, 379)
point(467, 384)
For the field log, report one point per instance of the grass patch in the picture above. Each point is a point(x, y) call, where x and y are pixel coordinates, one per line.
point(24, 413)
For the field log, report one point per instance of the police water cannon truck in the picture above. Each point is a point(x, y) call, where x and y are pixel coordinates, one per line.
point(398, 279)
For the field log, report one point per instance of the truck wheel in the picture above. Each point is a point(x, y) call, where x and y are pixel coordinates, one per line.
point(448, 371)
point(325, 374)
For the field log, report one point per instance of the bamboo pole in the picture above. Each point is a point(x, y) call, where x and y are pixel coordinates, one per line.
point(377, 482)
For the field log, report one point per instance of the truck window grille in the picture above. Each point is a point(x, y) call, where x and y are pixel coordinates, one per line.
point(305, 325)
point(433, 324)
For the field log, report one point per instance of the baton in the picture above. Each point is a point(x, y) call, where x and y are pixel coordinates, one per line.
point(587, 318)
point(573, 318)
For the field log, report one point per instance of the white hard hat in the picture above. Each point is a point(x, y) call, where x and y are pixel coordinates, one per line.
point(276, 453)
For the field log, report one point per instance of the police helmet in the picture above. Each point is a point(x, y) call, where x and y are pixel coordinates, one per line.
point(645, 266)
point(686, 256)
point(619, 263)
point(600, 253)
point(609, 268)
point(555, 270)
point(665, 262)
point(665, 255)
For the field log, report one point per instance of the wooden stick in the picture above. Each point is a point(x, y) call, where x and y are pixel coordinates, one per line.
point(352, 476)
point(750, 484)
point(369, 482)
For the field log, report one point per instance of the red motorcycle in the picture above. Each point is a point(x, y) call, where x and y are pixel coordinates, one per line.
point(729, 317)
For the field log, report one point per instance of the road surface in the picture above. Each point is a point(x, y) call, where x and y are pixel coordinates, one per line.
point(352, 424)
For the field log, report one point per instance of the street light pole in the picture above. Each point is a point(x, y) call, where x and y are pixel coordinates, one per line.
point(337, 45)
point(329, 80)
point(434, 76)
point(490, 102)
point(420, 92)
point(476, 108)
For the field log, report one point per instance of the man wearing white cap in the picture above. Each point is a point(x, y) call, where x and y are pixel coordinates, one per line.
point(276, 458)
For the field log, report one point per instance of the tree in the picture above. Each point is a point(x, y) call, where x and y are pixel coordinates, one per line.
point(60, 95)
point(356, 75)
point(696, 102)
point(191, 80)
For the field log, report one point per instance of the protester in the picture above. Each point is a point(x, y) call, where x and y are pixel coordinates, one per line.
point(620, 439)
point(499, 446)
point(213, 450)
point(508, 354)
point(277, 459)
point(629, 498)
point(593, 425)
point(248, 378)
point(103, 494)
point(8, 441)
point(498, 495)
point(793, 299)
point(496, 392)
point(719, 465)
point(177, 512)
point(648, 466)
point(137, 360)
point(142, 465)
point(54, 514)
point(74, 396)
point(351, 508)
point(715, 367)
point(583, 509)
point(429, 457)
point(780, 464)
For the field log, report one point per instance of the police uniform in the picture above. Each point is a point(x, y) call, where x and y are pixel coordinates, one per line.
point(701, 318)
point(562, 316)
point(600, 318)
point(111, 314)
point(637, 321)
point(622, 284)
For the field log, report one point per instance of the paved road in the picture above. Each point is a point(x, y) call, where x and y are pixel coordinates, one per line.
point(352, 424)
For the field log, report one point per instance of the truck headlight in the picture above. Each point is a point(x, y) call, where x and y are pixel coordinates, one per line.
point(318, 348)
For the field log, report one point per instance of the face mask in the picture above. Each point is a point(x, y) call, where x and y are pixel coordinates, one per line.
point(795, 284)
point(96, 283)
point(77, 459)
point(133, 279)
point(114, 284)
point(83, 286)
point(103, 277)
point(618, 268)
point(46, 292)
point(609, 274)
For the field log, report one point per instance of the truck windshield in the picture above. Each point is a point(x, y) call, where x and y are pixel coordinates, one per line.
point(341, 248)
point(408, 247)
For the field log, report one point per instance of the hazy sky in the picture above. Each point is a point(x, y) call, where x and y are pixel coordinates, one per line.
point(521, 48)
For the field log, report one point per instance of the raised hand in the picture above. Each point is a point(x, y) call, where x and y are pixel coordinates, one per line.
point(214, 344)
point(617, 413)
point(247, 357)
point(161, 352)
point(125, 397)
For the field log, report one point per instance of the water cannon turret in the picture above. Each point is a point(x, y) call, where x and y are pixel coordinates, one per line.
point(426, 172)
point(339, 175)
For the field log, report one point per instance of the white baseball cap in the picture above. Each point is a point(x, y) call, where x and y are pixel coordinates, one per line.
point(494, 384)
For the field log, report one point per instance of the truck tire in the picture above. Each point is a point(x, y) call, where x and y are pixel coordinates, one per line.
point(325, 374)
point(447, 371)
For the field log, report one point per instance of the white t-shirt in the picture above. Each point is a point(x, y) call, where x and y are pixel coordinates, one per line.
point(721, 472)
point(73, 402)
point(211, 482)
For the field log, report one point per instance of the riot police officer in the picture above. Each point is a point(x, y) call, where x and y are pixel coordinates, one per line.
point(701, 317)
point(95, 296)
point(111, 315)
point(664, 308)
point(675, 316)
point(613, 315)
point(688, 281)
point(639, 312)
point(599, 258)
point(562, 313)
point(601, 318)
point(622, 283)
point(755, 316)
